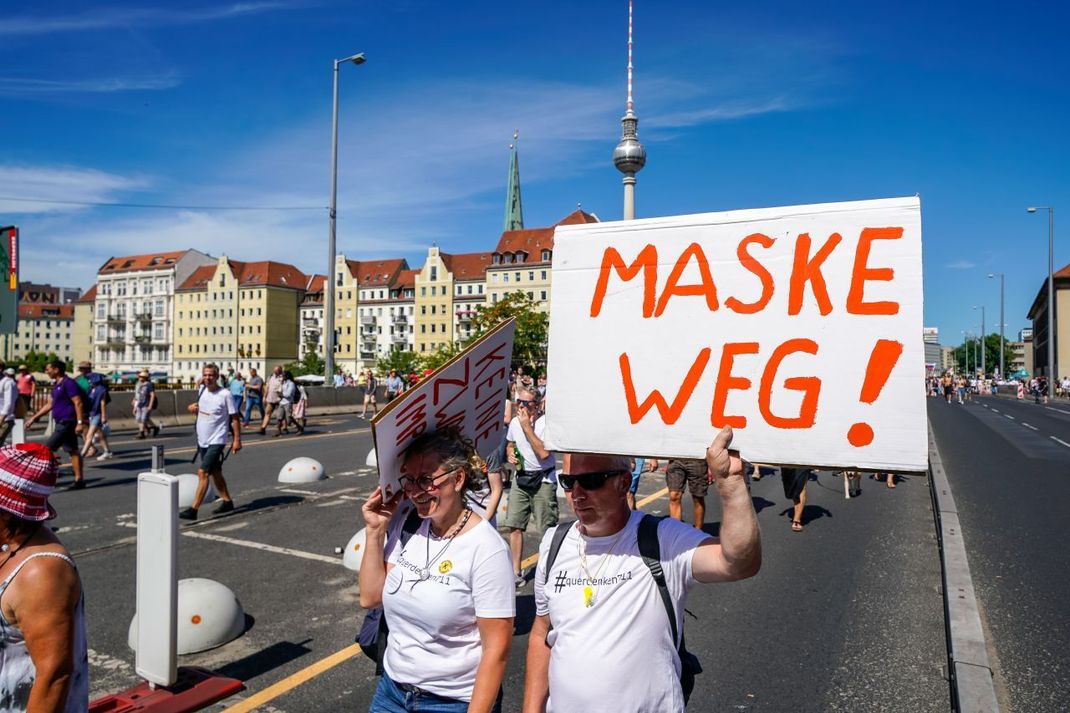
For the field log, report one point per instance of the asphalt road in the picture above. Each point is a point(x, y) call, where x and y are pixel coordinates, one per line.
point(1008, 463)
point(845, 616)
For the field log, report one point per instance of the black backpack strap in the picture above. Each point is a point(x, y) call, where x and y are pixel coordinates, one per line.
point(555, 546)
point(650, 551)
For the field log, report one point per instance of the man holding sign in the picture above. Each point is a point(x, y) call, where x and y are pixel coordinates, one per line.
point(608, 635)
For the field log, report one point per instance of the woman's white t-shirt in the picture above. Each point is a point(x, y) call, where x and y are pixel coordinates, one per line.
point(622, 643)
point(434, 642)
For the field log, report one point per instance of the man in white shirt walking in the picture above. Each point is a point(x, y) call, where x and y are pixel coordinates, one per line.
point(216, 415)
point(600, 610)
point(9, 396)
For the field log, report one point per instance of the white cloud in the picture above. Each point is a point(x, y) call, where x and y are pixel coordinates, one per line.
point(67, 183)
point(413, 167)
point(25, 87)
point(126, 17)
point(961, 265)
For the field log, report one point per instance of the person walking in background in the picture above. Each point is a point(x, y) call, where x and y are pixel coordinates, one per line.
point(794, 481)
point(237, 390)
point(98, 418)
point(370, 384)
point(144, 404)
point(216, 418)
point(9, 399)
point(287, 397)
point(299, 408)
point(27, 384)
point(44, 660)
point(254, 396)
point(692, 473)
point(394, 385)
point(68, 414)
point(272, 396)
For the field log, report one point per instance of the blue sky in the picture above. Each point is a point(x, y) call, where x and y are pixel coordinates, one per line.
point(741, 105)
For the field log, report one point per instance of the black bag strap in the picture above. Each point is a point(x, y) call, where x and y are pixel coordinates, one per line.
point(408, 528)
point(555, 546)
point(650, 551)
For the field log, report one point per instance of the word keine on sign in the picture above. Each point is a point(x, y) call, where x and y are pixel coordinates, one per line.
point(468, 392)
point(800, 327)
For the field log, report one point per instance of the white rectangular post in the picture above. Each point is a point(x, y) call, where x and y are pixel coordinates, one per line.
point(157, 574)
point(18, 432)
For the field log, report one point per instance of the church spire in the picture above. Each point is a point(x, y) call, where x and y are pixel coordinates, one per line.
point(629, 156)
point(514, 212)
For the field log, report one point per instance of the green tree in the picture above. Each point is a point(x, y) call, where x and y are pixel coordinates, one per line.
point(532, 327)
point(36, 361)
point(404, 361)
point(972, 349)
point(310, 364)
point(438, 357)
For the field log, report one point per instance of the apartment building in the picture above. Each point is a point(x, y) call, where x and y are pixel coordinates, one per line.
point(82, 328)
point(400, 312)
point(133, 311)
point(522, 258)
point(240, 315)
point(312, 322)
point(469, 291)
point(43, 328)
point(374, 279)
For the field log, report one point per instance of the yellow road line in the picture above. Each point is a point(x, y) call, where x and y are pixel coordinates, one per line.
point(293, 681)
point(648, 499)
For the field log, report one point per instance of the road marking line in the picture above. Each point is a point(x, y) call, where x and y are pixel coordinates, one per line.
point(293, 681)
point(1060, 410)
point(1009, 416)
point(261, 546)
point(994, 411)
point(295, 491)
point(1028, 426)
point(1059, 440)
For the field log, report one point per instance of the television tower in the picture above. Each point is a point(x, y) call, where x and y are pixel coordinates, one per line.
point(629, 156)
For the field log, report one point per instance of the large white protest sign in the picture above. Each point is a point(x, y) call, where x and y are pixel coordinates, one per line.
point(468, 392)
point(799, 326)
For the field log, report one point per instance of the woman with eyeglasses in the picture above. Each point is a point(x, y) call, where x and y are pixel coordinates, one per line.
point(447, 593)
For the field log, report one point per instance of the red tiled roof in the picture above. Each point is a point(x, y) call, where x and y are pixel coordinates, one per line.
point(90, 294)
point(1064, 272)
point(32, 311)
point(315, 283)
point(405, 278)
point(199, 279)
point(379, 273)
point(150, 261)
point(470, 266)
point(250, 274)
point(534, 240)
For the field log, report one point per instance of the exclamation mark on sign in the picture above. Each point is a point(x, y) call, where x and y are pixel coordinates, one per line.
point(881, 362)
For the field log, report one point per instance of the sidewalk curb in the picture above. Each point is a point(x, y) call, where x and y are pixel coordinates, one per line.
point(972, 687)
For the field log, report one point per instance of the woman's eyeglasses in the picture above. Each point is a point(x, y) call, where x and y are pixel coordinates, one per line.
point(423, 483)
point(589, 481)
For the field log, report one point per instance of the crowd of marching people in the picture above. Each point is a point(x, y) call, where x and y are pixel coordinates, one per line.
point(438, 579)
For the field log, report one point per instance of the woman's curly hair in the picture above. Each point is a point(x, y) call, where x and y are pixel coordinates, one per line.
point(455, 450)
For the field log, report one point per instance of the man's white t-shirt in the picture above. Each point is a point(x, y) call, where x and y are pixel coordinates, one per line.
point(214, 409)
point(625, 631)
point(516, 435)
point(434, 642)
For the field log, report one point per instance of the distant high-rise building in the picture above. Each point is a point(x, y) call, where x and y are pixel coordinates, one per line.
point(933, 355)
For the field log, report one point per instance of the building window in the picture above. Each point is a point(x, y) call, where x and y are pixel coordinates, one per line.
point(434, 273)
point(531, 276)
point(545, 255)
point(543, 274)
point(480, 289)
point(542, 295)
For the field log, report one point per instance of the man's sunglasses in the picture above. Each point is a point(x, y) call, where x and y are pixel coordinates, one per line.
point(588, 481)
point(423, 483)
point(522, 402)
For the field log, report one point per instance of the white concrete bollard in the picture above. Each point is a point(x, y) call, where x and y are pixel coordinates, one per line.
point(187, 489)
point(354, 551)
point(372, 461)
point(302, 470)
point(209, 615)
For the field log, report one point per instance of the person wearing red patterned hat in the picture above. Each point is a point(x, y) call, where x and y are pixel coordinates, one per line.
point(45, 665)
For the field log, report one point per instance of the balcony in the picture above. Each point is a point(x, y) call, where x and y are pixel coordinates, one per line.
point(142, 338)
point(367, 354)
point(116, 318)
point(399, 338)
point(142, 316)
point(401, 319)
point(368, 319)
point(311, 321)
point(114, 340)
point(465, 315)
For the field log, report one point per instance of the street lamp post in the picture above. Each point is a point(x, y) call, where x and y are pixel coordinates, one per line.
point(1051, 300)
point(1002, 348)
point(328, 292)
point(966, 346)
point(981, 346)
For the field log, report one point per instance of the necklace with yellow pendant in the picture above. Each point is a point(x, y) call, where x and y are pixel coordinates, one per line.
point(589, 589)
